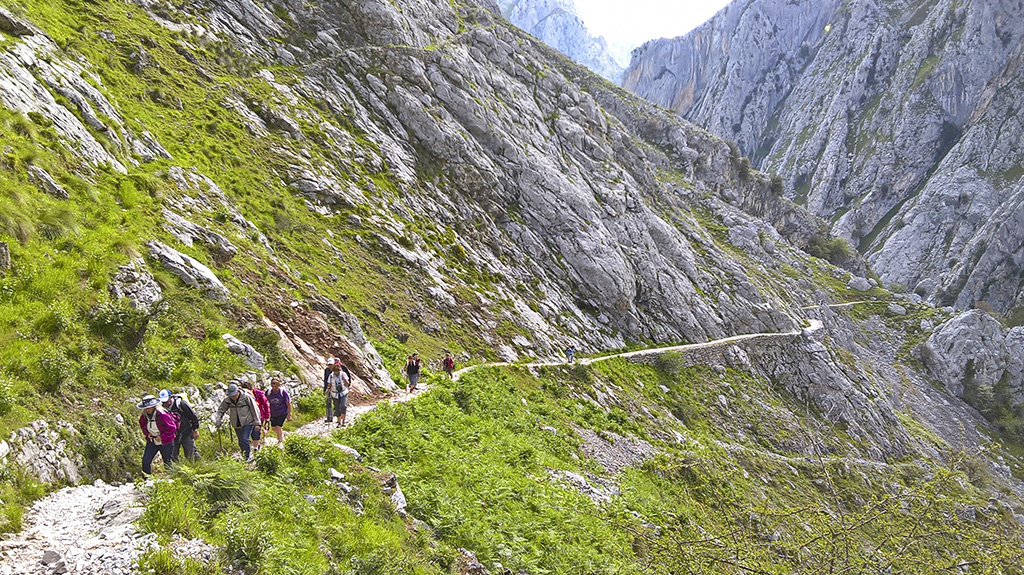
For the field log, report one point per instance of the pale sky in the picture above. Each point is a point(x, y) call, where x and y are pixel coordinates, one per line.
point(628, 23)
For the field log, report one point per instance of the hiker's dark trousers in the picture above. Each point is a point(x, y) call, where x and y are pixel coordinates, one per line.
point(243, 434)
point(189, 445)
point(166, 453)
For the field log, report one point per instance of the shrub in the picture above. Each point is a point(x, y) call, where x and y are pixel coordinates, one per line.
point(832, 250)
point(164, 562)
point(174, 507)
point(56, 370)
point(7, 394)
point(119, 323)
point(776, 186)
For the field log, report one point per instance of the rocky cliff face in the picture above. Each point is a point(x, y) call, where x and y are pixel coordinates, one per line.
point(892, 121)
point(556, 23)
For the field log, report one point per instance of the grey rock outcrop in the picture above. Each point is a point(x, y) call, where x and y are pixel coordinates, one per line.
point(556, 23)
point(11, 24)
point(238, 347)
point(5, 256)
point(893, 121)
point(45, 182)
point(44, 453)
point(974, 350)
point(188, 233)
point(135, 283)
point(189, 270)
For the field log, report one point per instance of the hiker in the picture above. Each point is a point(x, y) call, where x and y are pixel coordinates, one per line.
point(412, 371)
point(336, 390)
point(159, 428)
point(448, 364)
point(188, 425)
point(245, 415)
point(327, 374)
point(264, 407)
point(280, 408)
point(570, 353)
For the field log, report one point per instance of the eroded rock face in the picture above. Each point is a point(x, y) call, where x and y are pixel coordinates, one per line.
point(42, 450)
point(973, 349)
point(556, 23)
point(189, 270)
point(894, 120)
point(135, 283)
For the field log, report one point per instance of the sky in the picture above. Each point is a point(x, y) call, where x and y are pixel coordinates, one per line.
point(626, 24)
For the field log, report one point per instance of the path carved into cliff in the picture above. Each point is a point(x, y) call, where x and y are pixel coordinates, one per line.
point(89, 529)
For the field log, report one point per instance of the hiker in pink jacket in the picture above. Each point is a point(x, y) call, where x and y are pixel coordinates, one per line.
point(159, 428)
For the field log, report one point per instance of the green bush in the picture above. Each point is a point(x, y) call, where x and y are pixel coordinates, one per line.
point(56, 370)
point(8, 398)
point(163, 562)
point(119, 323)
point(175, 507)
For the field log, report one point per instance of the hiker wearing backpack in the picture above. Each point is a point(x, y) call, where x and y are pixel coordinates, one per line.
point(328, 401)
point(280, 408)
point(188, 424)
point(336, 391)
point(244, 416)
point(159, 428)
point(412, 371)
point(264, 407)
point(448, 364)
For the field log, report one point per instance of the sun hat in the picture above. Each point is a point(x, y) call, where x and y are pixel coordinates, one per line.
point(164, 396)
point(147, 402)
point(232, 390)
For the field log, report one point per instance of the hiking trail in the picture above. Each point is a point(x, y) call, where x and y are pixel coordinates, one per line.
point(90, 529)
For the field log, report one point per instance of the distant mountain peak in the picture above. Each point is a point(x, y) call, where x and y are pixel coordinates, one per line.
point(556, 23)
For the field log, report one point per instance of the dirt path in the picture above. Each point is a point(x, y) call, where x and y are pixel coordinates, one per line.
point(814, 325)
point(89, 529)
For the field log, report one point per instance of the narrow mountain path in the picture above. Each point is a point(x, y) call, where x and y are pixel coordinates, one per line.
point(89, 529)
point(83, 530)
point(814, 325)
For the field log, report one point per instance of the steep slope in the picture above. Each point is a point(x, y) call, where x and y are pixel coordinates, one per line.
point(368, 179)
point(556, 23)
point(893, 121)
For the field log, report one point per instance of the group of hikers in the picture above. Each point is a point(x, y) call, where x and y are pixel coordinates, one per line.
point(170, 425)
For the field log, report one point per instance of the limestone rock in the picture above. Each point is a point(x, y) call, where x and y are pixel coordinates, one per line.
point(859, 284)
point(248, 353)
point(10, 24)
point(349, 450)
point(974, 349)
point(136, 284)
point(5, 257)
point(912, 148)
point(45, 182)
point(187, 233)
point(556, 23)
point(189, 270)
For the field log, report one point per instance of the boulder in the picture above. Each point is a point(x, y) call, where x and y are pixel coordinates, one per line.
point(248, 353)
point(189, 270)
point(188, 233)
point(859, 284)
point(137, 285)
point(45, 182)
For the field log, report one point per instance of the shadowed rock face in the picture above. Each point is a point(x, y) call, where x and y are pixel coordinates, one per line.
point(895, 121)
point(556, 23)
